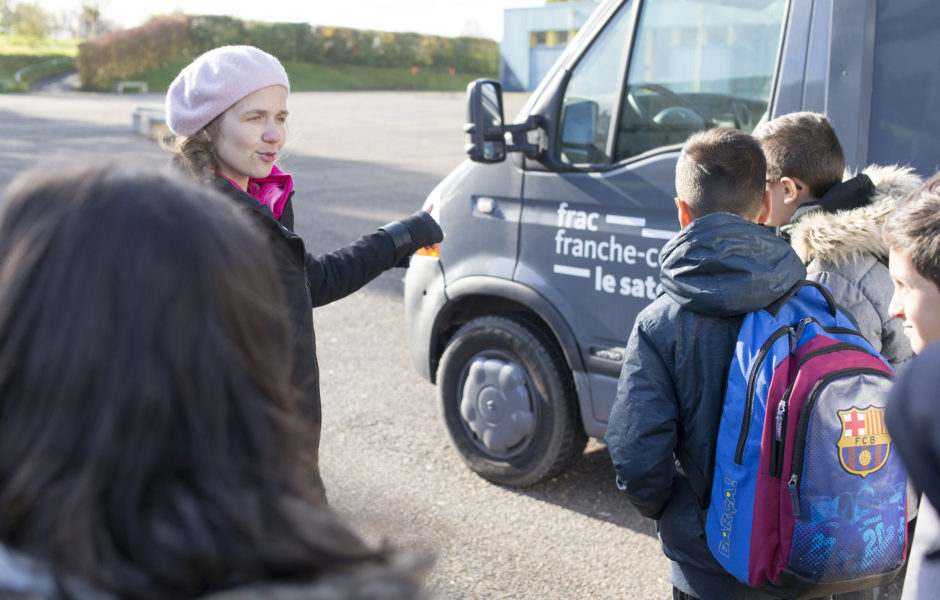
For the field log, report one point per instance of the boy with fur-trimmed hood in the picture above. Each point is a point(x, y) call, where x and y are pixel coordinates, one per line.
point(834, 225)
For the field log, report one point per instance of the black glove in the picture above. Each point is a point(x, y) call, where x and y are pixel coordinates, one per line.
point(411, 233)
point(424, 229)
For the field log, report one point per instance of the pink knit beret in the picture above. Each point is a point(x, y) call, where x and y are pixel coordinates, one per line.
point(216, 80)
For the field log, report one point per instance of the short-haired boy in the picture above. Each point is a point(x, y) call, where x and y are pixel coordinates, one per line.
point(912, 233)
point(664, 422)
point(835, 225)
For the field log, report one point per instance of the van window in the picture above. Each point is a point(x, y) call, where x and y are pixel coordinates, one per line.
point(695, 64)
point(592, 95)
point(698, 64)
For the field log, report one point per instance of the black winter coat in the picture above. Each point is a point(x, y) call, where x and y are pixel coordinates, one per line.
point(314, 281)
point(913, 420)
point(664, 422)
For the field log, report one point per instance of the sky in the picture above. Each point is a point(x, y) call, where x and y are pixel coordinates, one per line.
point(479, 18)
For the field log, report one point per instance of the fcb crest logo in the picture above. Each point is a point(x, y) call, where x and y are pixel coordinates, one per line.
point(864, 443)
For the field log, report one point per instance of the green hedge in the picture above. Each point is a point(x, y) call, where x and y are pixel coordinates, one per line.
point(123, 54)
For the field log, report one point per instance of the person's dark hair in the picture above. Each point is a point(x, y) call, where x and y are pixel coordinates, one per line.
point(147, 428)
point(721, 170)
point(803, 145)
point(913, 229)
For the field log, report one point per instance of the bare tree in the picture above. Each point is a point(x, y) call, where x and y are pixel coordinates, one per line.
point(30, 20)
point(6, 15)
point(91, 21)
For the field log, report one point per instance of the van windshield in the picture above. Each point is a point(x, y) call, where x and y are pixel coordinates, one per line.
point(692, 65)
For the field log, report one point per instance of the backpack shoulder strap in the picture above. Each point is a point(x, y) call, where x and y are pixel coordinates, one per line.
point(777, 304)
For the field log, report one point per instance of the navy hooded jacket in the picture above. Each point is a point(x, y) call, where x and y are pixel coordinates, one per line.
point(664, 422)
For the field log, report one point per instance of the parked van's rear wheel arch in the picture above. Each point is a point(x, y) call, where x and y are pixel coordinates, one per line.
point(508, 400)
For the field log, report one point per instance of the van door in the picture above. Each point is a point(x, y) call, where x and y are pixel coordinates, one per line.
point(594, 220)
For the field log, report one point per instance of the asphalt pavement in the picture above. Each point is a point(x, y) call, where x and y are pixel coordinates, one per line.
point(362, 159)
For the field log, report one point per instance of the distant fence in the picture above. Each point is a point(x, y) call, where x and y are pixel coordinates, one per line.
point(44, 69)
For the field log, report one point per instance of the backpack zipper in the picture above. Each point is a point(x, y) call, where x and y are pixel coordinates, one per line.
point(780, 434)
point(794, 495)
point(751, 382)
point(803, 425)
point(839, 347)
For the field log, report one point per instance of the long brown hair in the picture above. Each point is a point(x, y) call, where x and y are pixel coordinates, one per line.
point(194, 155)
point(148, 443)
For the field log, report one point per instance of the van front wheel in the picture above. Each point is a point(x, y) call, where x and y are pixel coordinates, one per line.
point(509, 402)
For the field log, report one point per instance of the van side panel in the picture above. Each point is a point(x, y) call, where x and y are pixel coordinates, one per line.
point(838, 70)
point(484, 203)
point(792, 63)
point(590, 245)
point(848, 102)
point(905, 122)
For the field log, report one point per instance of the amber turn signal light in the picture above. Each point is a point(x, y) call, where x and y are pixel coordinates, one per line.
point(432, 251)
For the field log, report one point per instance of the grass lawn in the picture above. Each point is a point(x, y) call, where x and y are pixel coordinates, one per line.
point(15, 44)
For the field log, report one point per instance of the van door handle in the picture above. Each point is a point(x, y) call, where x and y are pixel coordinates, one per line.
point(486, 205)
point(614, 354)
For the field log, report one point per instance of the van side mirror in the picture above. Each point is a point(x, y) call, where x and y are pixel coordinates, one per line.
point(485, 121)
point(487, 129)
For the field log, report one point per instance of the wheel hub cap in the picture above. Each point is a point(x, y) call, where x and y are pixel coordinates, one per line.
point(495, 404)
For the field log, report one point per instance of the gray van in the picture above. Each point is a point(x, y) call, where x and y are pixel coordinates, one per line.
point(555, 223)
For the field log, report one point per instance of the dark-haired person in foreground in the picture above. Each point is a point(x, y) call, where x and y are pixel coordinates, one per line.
point(149, 438)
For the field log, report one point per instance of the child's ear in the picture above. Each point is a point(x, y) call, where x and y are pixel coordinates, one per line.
point(764, 208)
point(685, 213)
point(791, 190)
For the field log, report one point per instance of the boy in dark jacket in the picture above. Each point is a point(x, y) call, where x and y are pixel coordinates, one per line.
point(664, 423)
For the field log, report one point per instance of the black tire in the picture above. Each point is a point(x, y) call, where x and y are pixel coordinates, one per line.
point(509, 402)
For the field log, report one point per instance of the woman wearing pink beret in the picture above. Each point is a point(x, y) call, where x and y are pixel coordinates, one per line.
point(228, 109)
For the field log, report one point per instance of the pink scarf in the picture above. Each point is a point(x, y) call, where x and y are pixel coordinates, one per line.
point(272, 191)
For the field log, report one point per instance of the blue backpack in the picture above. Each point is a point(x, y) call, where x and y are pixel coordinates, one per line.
point(807, 496)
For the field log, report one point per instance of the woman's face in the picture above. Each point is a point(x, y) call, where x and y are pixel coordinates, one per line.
point(916, 302)
point(250, 134)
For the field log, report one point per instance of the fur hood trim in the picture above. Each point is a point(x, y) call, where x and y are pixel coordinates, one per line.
point(841, 236)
